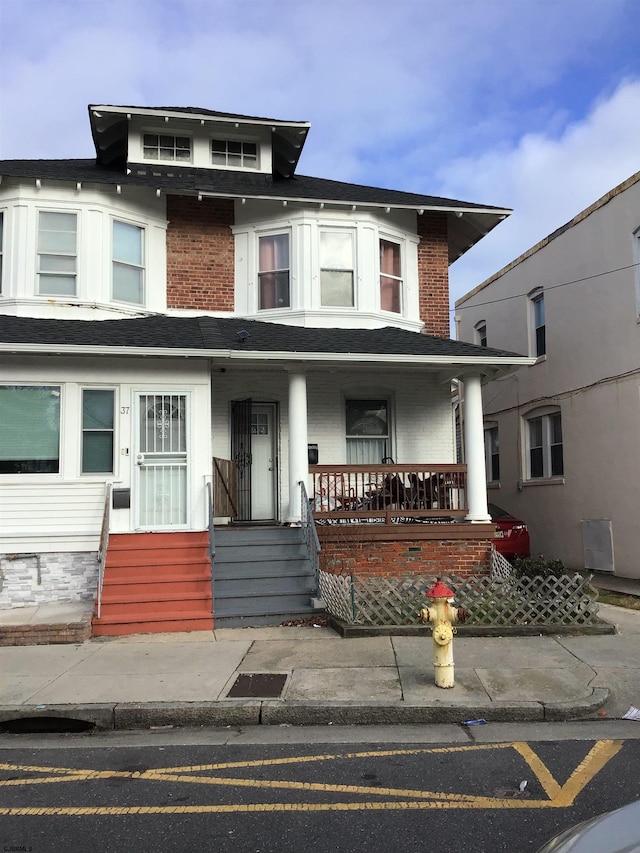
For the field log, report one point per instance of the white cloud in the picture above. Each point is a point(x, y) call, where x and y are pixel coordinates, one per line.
point(545, 180)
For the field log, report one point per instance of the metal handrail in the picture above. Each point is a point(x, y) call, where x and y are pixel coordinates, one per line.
point(310, 533)
point(104, 543)
point(212, 541)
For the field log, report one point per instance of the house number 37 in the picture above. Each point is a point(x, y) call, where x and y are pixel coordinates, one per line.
point(124, 410)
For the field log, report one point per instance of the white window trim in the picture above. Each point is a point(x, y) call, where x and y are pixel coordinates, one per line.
point(488, 427)
point(166, 132)
point(66, 297)
point(401, 242)
point(535, 296)
point(370, 395)
point(100, 475)
point(255, 266)
point(144, 267)
point(545, 413)
point(338, 229)
point(480, 332)
point(53, 475)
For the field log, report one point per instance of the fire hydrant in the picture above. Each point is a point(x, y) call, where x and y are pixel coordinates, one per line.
point(441, 613)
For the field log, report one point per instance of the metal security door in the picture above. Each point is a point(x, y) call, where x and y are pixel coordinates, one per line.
point(241, 454)
point(162, 461)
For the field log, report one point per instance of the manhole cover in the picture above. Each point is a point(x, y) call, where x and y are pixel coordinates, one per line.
point(258, 685)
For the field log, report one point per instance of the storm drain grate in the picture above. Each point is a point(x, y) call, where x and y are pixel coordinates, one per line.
point(258, 685)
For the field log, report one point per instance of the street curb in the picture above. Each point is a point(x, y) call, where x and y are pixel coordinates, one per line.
point(348, 631)
point(124, 716)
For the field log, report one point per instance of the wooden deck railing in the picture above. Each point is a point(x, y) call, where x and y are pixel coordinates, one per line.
point(388, 492)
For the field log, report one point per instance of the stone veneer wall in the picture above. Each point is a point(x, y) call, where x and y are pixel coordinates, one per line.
point(44, 578)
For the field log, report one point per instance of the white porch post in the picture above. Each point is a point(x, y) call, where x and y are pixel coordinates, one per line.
point(474, 451)
point(298, 458)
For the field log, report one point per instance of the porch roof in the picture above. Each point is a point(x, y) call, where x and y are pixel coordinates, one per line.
point(240, 340)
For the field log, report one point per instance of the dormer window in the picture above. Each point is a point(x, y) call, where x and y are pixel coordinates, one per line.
point(233, 152)
point(160, 146)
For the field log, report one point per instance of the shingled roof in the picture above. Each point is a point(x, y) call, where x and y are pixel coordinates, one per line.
point(211, 335)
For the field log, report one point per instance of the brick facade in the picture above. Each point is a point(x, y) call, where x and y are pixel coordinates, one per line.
point(200, 254)
point(397, 550)
point(45, 634)
point(433, 273)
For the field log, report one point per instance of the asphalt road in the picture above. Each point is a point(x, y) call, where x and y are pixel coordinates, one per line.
point(167, 791)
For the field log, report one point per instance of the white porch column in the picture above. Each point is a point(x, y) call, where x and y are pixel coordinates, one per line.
point(298, 458)
point(474, 451)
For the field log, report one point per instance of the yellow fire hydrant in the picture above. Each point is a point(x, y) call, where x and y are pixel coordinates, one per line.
point(441, 613)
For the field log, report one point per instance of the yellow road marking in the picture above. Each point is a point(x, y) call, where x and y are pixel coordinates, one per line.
point(559, 796)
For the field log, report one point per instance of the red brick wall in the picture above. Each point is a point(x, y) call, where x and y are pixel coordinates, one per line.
point(346, 553)
point(433, 273)
point(38, 635)
point(200, 254)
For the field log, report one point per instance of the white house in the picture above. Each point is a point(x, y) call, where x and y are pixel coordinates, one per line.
point(188, 297)
point(562, 434)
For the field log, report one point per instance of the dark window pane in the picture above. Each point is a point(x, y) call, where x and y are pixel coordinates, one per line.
point(541, 342)
point(367, 417)
point(557, 461)
point(535, 457)
point(97, 452)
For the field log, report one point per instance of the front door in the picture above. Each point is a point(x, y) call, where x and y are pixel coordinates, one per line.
point(162, 461)
point(253, 449)
point(263, 462)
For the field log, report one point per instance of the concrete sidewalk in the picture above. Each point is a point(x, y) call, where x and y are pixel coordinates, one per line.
point(185, 679)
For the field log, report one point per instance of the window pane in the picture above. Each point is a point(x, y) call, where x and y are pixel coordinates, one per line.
point(535, 432)
point(127, 284)
point(336, 250)
point(29, 429)
point(538, 307)
point(274, 289)
point(366, 417)
point(557, 461)
point(535, 459)
point(366, 451)
point(127, 243)
point(336, 288)
point(274, 252)
point(97, 453)
point(390, 294)
point(97, 409)
point(541, 341)
point(57, 263)
point(57, 232)
point(389, 258)
point(57, 285)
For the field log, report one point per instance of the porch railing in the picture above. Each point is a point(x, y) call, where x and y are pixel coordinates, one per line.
point(104, 544)
point(310, 533)
point(389, 492)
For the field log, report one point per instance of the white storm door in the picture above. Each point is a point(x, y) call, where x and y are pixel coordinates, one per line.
point(263, 463)
point(162, 461)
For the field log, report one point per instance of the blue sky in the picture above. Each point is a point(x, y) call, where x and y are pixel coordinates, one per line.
point(527, 104)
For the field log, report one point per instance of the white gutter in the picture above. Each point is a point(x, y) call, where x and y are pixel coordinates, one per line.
point(256, 355)
point(420, 208)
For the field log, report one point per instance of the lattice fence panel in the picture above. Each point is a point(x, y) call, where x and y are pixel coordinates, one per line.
point(495, 601)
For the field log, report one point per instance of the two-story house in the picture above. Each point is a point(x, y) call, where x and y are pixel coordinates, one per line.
point(561, 436)
point(185, 315)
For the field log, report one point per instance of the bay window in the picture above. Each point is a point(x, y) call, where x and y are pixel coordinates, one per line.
point(29, 429)
point(390, 277)
point(336, 269)
point(57, 239)
point(128, 263)
point(273, 271)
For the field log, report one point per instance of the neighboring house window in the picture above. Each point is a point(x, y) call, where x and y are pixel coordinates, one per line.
point(230, 152)
point(128, 267)
point(367, 423)
point(390, 277)
point(538, 328)
point(29, 429)
point(480, 333)
point(160, 146)
point(336, 269)
point(97, 431)
point(57, 238)
point(544, 446)
point(273, 271)
point(492, 453)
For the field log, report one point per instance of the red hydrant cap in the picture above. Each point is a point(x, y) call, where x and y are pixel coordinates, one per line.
point(439, 590)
